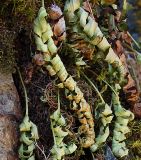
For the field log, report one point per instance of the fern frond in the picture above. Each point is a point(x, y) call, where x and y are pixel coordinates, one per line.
point(82, 22)
point(123, 117)
point(45, 44)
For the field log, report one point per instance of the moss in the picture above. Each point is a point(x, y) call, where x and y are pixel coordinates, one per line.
point(27, 8)
point(7, 52)
point(15, 15)
point(58, 2)
point(134, 141)
point(18, 8)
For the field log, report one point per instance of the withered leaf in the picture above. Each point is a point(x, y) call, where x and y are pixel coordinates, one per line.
point(119, 47)
point(59, 27)
point(118, 16)
point(86, 6)
point(38, 59)
point(129, 88)
point(57, 23)
point(54, 12)
point(29, 72)
point(126, 37)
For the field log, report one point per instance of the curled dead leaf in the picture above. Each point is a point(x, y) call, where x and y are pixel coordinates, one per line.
point(38, 59)
point(86, 6)
point(125, 36)
point(59, 28)
point(86, 50)
point(57, 23)
point(119, 48)
point(29, 72)
point(54, 12)
point(118, 15)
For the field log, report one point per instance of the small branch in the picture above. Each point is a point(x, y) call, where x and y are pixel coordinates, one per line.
point(43, 3)
point(92, 84)
point(51, 120)
point(53, 133)
point(58, 100)
point(104, 82)
point(125, 5)
point(136, 43)
point(25, 92)
point(42, 151)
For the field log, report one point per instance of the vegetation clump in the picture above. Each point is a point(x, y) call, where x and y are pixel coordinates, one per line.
point(79, 53)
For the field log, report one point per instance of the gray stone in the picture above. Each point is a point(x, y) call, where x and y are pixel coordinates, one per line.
point(9, 115)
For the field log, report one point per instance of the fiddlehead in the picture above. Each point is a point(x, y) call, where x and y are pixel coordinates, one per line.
point(45, 44)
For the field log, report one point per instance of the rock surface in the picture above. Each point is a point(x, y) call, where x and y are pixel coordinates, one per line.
point(9, 116)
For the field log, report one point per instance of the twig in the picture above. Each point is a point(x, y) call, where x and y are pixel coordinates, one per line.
point(25, 92)
point(134, 52)
point(42, 150)
point(51, 120)
point(37, 86)
point(43, 3)
point(58, 100)
point(53, 133)
point(105, 82)
point(125, 5)
point(136, 43)
point(92, 84)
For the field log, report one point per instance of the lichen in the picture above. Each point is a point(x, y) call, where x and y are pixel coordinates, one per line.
point(134, 142)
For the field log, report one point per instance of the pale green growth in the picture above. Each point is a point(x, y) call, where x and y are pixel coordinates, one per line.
point(45, 44)
point(29, 133)
point(123, 117)
point(83, 24)
point(105, 116)
point(60, 149)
